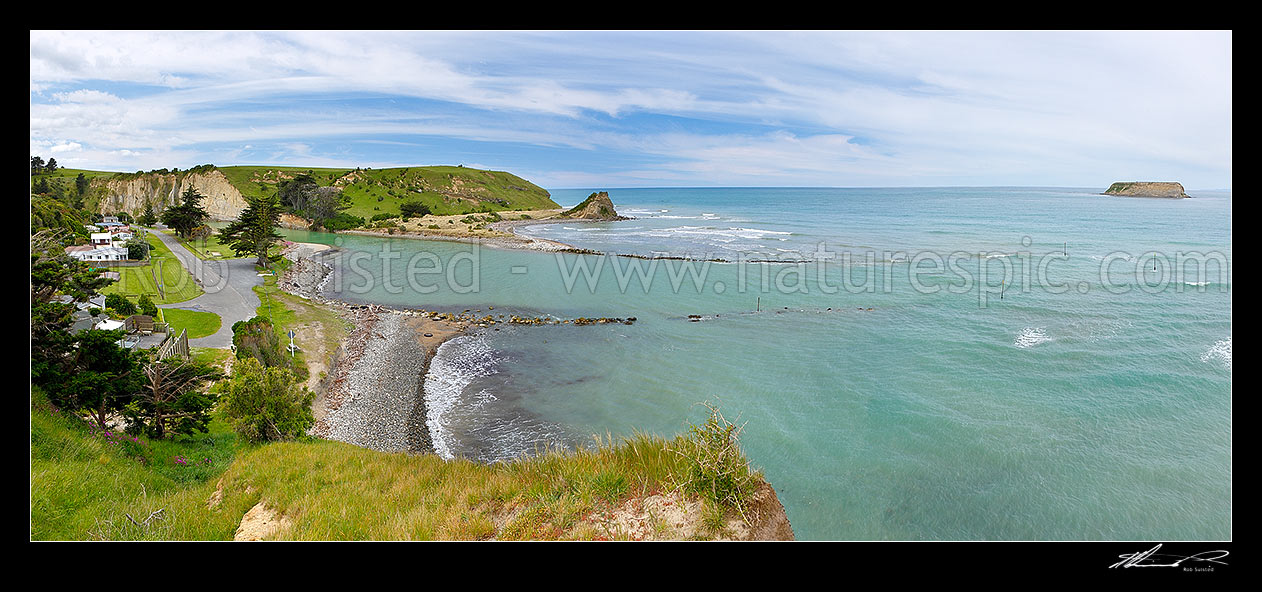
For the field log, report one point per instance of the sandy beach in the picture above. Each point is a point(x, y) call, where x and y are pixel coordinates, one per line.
point(473, 228)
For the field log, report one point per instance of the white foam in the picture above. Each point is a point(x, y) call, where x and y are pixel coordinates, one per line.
point(1030, 337)
point(1221, 351)
point(1197, 283)
point(455, 366)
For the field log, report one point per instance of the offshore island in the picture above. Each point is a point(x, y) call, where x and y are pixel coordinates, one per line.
point(365, 468)
point(1164, 189)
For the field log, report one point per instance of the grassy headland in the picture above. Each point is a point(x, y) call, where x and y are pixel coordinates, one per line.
point(446, 190)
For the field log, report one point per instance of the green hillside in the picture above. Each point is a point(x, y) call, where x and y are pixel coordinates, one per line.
point(445, 189)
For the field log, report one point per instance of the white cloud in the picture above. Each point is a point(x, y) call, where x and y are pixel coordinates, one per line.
point(881, 105)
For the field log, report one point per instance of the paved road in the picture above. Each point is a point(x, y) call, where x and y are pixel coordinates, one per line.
point(229, 290)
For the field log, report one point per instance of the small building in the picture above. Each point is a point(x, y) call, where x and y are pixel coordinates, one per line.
point(102, 239)
point(107, 219)
point(90, 253)
point(106, 324)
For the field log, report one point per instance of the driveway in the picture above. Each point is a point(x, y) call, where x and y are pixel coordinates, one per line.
point(228, 287)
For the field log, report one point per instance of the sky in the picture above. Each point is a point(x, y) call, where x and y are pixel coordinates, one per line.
point(606, 109)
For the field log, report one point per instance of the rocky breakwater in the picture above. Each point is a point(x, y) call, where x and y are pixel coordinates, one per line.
point(132, 192)
point(1147, 189)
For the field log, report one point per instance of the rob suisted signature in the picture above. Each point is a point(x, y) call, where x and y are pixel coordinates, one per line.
point(1151, 558)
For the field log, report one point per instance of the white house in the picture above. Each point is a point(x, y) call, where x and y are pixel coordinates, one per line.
point(97, 253)
point(102, 239)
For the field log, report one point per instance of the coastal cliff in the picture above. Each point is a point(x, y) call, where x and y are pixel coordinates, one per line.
point(1147, 189)
point(131, 192)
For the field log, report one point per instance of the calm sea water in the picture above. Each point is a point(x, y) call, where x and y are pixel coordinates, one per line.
point(943, 364)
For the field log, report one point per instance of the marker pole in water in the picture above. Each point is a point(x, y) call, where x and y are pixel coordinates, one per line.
point(758, 306)
point(1002, 284)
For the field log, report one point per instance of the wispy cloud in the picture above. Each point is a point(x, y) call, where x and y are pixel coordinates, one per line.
point(830, 108)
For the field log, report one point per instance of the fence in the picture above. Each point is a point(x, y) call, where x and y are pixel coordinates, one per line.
point(174, 346)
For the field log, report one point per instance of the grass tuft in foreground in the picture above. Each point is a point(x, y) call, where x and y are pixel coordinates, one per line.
point(83, 488)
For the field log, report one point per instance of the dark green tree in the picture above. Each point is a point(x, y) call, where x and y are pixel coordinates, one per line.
point(148, 218)
point(54, 275)
point(137, 248)
point(102, 379)
point(324, 203)
point(120, 304)
point(81, 184)
point(146, 306)
point(37, 165)
point(413, 208)
point(187, 215)
point(51, 166)
point(295, 192)
point(254, 232)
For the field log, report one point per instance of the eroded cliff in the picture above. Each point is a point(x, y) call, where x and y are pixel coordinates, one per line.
point(132, 192)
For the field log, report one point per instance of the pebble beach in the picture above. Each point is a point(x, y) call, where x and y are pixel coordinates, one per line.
point(373, 396)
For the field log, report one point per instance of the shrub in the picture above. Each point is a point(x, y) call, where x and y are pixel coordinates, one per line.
point(714, 466)
point(263, 404)
point(120, 304)
point(147, 306)
point(410, 209)
point(343, 221)
point(257, 339)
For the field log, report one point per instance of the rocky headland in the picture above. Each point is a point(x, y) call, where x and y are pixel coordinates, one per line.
point(597, 207)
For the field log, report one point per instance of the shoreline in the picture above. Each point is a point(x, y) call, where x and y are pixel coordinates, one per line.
point(374, 393)
point(514, 241)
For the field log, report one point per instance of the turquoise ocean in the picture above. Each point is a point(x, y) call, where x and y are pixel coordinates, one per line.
point(908, 364)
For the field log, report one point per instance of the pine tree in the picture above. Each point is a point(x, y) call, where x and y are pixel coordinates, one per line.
point(148, 218)
point(188, 215)
point(81, 184)
point(255, 231)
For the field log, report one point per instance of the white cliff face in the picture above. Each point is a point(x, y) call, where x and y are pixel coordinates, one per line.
point(223, 200)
